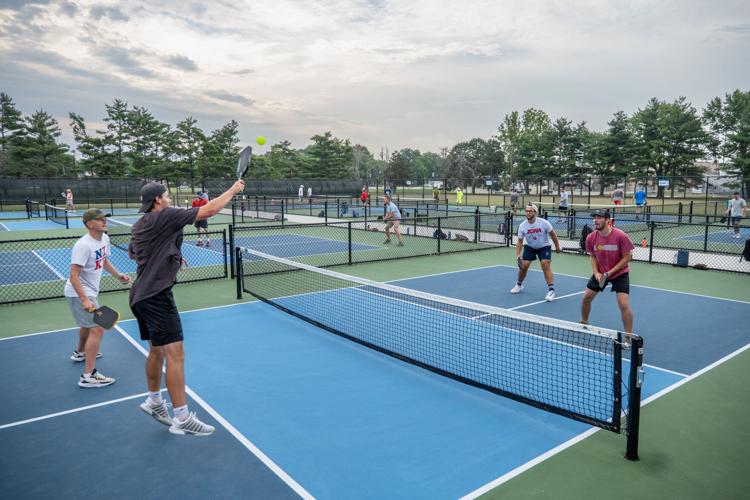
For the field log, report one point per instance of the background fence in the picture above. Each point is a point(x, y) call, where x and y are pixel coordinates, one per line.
point(36, 269)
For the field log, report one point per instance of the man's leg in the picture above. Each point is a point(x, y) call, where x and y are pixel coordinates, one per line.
point(175, 356)
point(93, 341)
point(83, 335)
point(154, 364)
point(623, 300)
point(388, 231)
point(398, 233)
point(588, 298)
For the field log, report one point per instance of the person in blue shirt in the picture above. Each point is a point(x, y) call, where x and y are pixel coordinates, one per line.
point(639, 197)
point(392, 219)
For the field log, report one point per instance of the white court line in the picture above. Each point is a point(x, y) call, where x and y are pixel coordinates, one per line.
point(570, 276)
point(232, 430)
point(74, 410)
point(544, 301)
point(50, 267)
point(554, 451)
point(6, 227)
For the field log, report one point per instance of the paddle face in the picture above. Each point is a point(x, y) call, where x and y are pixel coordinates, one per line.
point(603, 280)
point(244, 162)
point(106, 317)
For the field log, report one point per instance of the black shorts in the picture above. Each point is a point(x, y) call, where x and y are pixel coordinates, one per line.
point(201, 224)
point(158, 319)
point(621, 284)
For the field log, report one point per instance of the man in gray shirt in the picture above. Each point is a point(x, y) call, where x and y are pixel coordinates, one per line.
point(736, 210)
point(155, 246)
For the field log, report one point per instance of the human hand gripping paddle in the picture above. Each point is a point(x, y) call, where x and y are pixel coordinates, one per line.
point(603, 280)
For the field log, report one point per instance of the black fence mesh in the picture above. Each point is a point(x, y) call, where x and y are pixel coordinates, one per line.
point(36, 269)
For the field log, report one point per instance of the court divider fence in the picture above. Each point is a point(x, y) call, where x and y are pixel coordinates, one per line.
point(37, 268)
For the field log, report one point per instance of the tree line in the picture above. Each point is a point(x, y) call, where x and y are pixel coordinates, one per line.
point(660, 139)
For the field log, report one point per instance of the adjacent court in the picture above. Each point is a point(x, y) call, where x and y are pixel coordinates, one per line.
point(300, 411)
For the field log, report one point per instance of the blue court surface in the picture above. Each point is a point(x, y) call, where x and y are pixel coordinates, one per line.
point(301, 411)
point(297, 245)
point(37, 224)
point(13, 215)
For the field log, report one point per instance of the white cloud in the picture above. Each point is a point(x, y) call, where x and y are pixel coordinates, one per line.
point(419, 73)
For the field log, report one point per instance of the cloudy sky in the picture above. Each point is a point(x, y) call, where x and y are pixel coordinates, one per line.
point(383, 73)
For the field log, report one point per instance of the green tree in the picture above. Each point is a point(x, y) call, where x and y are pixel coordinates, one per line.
point(11, 123)
point(509, 136)
point(330, 157)
point(148, 144)
point(117, 135)
point(284, 162)
point(220, 153)
point(619, 151)
point(729, 126)
point(95, 158)
point(564, 141)
point(35, 151)
point(535, 152)
point(186, 141)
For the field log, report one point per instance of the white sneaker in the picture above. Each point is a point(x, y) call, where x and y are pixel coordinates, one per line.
point(159, 412)
point(95, 380)
point(191, 426)
point(81, 356)
point(550, 296)
point(516, 289)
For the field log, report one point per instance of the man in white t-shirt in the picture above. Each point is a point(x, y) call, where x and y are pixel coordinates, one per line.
point(301, 192)
point(309, 193)
point(533, 239)
point(89, 257)
point(564, 198)
point(736, 210)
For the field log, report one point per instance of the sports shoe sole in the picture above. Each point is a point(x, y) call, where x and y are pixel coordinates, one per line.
point(89, 385)
point(78, 360)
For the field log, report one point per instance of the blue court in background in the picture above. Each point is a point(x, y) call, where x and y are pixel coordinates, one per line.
point(301, 410)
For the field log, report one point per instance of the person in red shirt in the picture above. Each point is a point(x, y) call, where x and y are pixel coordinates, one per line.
point(609, 251)
point(199, 201)
point(364, 198)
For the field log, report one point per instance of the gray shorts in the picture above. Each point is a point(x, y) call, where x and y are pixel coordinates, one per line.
point(392, 223)
point(83, 318)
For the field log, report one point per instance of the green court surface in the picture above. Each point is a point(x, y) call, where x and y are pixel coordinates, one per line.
point(694, 439)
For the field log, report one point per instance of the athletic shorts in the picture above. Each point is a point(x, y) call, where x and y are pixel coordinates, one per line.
point(621, 284)
point(544, 253)
point(562, 208)
point(201, 224)
point(158, 319)
point(82, 317)
point(736, 220)
point(617, 202)
point(392, 223)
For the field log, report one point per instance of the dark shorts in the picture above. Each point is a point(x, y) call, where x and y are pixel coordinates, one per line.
point(158, 319)
point(201, 224)
point(621, 284)
point(563, 208)
point(544, 253)
point(736, 220)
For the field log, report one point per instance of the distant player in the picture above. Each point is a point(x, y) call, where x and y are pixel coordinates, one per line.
point(533, 238)
point(514, 200)
point(301, 192)
point(69, 200)
point(562, 207)
point(736, 210)
point(459, 196)
point(639, 198)
point(617, 196)
point(392, 219)
point(199, 201)
point(609, 252)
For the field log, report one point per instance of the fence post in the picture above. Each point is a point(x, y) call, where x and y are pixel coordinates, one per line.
point(651, 243)
point(476, 225)
point(231, 251)
point(439, 232)
point(349, 224)
point(238, 257)
point(705, 236)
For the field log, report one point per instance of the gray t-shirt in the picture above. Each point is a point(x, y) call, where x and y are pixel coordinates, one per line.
point(155, 245)
point(736, 206)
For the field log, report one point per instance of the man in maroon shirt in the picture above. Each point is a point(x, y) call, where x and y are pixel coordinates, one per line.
point(609, 251)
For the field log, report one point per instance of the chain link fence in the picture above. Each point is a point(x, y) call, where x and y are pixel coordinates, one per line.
point(36, 269)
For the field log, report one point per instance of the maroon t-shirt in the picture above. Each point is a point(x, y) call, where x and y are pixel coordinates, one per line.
point(155, 243)
point(609, 250)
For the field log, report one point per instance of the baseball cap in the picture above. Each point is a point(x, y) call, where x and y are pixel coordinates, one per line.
point(149, 192)
point(532, 206)
point(600, 212)
point(94, 214)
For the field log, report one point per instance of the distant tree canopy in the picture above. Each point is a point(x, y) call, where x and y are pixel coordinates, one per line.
point(661, 139)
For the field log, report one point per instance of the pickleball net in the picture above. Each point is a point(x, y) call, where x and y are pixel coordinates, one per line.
point(555, 365)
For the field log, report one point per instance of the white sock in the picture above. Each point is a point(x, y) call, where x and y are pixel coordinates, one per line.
point(181, 413)
point(154, 398)
point(87, 375)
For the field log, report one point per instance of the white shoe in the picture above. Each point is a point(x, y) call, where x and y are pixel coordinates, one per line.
point(516, 289)
point(159, 412)
point(95, 380)
point(550, 296)
point(81, 356)
point(191, 426)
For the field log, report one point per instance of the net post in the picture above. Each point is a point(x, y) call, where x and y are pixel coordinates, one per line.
point(238, 258)
point(111, 206)
point(476, 225)
point(634, 397)
point(325, 209)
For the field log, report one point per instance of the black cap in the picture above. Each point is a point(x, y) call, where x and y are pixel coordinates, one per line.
point(149, 192)
point(94, 213)
point(600, 212)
